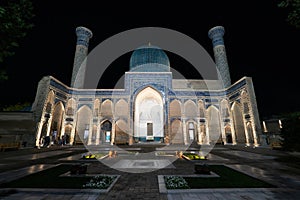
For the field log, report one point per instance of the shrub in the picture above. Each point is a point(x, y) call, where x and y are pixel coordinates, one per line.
point(176, 182)
point(100, 182)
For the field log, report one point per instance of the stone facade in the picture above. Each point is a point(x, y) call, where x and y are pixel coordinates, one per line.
point(152, 107)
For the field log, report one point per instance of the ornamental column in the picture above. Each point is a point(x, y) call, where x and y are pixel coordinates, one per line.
point(199, 138)
point(216, 35)
point(98, 134)
point(184, 131)
point(91, 128)
point(79, 66)
point(113, 130)
point(39, 132)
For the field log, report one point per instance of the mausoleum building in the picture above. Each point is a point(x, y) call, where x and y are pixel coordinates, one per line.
point(153, 107)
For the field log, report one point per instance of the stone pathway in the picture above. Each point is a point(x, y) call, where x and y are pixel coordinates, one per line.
point(145, 185)
point(234, 194)
point(38, 195)
point(38, 155)
point(249, 155)
point(18, 173)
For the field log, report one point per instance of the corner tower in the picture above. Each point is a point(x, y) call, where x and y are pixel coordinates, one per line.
point(79, 66)
point(216, 35)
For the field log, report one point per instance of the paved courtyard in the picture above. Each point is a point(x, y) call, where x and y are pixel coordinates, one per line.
point(263, 163)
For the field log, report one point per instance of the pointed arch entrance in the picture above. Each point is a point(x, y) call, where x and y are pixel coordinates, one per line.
point(121, 136)
point(228, 134)
point(148, 115)
point(176, 132)
point(68, 131)
point(56, 124)
point(238, 123)
point(105, 134)
point(250, 133)
point(84, 116)
point(214, 124)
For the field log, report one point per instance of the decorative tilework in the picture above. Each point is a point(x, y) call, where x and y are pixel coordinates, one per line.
point(211, 100)
point(149, 59)
point(104, 99)
point(83, 36)
point(85, 99)
point(234, 96)
point(59, 86)
point(236, 86)
point(62, 96)
point(216, 34)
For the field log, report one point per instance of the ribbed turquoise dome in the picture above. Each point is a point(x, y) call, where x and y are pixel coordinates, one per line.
point(149, 59)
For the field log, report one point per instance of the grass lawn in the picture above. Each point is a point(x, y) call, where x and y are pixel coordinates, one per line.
point(49, 179)
point(229, 178)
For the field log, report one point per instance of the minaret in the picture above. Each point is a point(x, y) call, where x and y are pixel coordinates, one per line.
point(216, 35)
point(79, 66)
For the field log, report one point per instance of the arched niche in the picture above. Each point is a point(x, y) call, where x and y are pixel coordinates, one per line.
point(107, 108)
point(121, 136)
point(214, 124)
point(238, 123)
point(190, 109)
point(175, 108)
point(121, 108)
point(56, 124)
point(176, 132)
point(84, 116)
point(148, 115)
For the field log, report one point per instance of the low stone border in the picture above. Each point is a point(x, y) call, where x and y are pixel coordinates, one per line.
point(54, 190)
point(163, 188)
point(120, 154)
point(165, 154)
point(224, 190)
point(111, 185)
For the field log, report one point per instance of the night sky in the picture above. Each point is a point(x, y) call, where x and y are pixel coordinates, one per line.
point(259, 44)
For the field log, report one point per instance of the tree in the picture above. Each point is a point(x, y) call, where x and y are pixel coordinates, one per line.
point(290, 131)
point(15, 16)
point(17, 107)
point(293, 7)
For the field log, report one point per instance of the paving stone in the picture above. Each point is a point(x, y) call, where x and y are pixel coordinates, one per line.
point(145, 185)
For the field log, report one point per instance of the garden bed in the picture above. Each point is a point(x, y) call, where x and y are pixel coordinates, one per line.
point(51, 178)
point(228, 178)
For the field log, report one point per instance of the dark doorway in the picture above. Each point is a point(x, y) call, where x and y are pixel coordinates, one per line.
point(106, 128)
point(150, 131)
point(229, 138)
